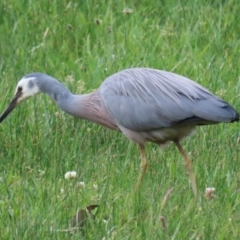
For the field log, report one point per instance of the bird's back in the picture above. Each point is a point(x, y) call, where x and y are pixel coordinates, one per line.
point(142, 99)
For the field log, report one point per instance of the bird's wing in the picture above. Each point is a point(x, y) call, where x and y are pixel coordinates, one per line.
point(145, 99)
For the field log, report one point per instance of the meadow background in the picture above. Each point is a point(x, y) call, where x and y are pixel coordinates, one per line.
point(81, 43)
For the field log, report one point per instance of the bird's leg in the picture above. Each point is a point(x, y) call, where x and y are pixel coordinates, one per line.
point(143, 165)
point(189, 166)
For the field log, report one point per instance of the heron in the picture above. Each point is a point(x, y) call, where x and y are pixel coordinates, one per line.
point(145, 104)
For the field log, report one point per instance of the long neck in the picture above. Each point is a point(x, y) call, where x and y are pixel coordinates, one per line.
point(86, 106)
point(89, 107)
point(54, 89)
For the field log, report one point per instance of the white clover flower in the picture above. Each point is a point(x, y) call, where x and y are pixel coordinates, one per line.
point(62, 190)
point(81, 184)
point(69, 175)
point(209, 193)
point(95, 186)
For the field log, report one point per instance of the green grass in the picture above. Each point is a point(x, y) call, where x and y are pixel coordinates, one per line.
point(81, 44)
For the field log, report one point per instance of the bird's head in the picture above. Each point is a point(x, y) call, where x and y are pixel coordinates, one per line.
point(26, 87)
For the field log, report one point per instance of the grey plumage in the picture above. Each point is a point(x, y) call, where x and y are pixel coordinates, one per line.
point(145, 104)
point(146, 99)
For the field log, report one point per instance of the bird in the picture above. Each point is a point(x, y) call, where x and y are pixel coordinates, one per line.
point(145, 104)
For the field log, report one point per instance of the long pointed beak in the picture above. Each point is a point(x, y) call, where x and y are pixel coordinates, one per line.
point(11, 106)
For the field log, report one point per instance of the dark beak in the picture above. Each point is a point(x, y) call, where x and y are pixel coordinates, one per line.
point(11, 106)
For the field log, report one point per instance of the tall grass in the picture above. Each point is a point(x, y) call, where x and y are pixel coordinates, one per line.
point(81, 43)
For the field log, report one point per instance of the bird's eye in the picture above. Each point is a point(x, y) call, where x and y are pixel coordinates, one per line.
point(19, 89)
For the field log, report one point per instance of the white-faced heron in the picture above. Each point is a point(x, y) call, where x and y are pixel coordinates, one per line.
point(145, 104)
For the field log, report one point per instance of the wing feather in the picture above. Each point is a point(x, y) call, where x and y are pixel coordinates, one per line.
point(145, 99)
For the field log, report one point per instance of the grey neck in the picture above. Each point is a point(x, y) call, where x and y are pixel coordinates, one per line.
point(54, 89)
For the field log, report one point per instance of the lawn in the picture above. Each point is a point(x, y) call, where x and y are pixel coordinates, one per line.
point(80, 43)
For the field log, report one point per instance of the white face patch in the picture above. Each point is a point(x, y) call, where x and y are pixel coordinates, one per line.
point(28, 87)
